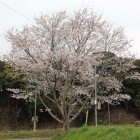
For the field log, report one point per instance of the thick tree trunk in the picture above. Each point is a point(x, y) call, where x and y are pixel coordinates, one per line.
point(66, 125)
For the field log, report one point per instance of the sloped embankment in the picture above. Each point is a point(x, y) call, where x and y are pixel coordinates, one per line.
point(101, 133)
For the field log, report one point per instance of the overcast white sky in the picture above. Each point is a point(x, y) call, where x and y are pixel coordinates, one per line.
point(125, 13)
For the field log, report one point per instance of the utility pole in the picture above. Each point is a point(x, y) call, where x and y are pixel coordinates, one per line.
point(35, 118)
point(108, 107)
point(95, 87)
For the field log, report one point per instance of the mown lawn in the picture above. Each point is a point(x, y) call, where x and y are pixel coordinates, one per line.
point(128, 132)
point(29, 134)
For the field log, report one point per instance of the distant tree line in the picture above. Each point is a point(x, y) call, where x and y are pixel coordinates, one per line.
point(131, 86)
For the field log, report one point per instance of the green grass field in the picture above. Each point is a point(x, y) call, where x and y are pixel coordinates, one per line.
point(29, 134)
point(127, 132)
point(101, 133)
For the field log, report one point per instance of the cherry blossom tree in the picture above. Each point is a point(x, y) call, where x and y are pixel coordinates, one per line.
point(57, 55)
